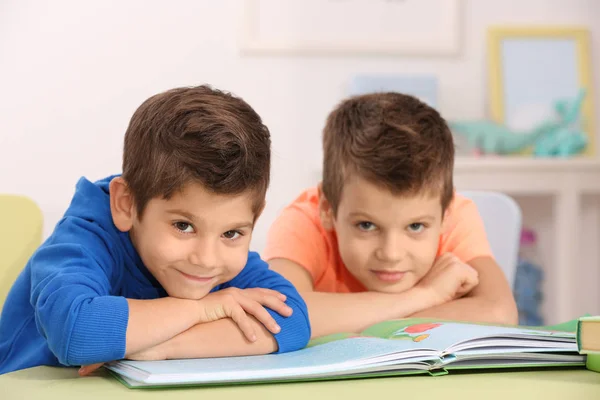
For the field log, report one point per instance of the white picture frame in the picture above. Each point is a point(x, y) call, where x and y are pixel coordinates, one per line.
point(354, 27)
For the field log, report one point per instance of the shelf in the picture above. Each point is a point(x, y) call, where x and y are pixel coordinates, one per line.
point(527, 175)
point(511, 163)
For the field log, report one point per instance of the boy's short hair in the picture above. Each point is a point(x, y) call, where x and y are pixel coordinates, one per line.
point(392, 140)
point(196, 134)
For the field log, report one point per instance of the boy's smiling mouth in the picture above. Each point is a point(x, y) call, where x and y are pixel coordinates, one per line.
point(389, 276)
point(195, 278)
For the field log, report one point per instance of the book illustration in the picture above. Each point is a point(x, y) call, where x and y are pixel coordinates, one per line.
point(414, 332)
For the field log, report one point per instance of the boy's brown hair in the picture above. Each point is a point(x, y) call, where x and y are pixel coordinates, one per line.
point(392, 140)
point(197, 134)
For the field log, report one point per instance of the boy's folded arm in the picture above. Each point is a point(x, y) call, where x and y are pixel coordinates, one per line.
point(490, 301)
point(349, 312)
point(221, 338)
point(80, 319)
point(224, 338)
point(295, 329)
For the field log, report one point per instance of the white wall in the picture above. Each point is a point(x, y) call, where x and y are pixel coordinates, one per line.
point(72, 73)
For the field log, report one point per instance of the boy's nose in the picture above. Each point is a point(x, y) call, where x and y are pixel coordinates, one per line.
point(391, 250)
point(204, 255)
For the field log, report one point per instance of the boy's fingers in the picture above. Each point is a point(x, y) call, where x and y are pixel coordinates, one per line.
point(278, 306)
point(88, 369)
point(469, 283)
point(243, 322)
point(274, 302)
point(271, 292)
point(272, 299)
point(257, 310)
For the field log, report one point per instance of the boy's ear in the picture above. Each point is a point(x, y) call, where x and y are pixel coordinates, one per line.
point(122, 207)
point(325, 210)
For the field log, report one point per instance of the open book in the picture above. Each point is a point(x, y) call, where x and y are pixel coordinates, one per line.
point(400, 347)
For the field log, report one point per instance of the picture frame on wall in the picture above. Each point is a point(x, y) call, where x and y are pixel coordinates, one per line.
point(531, 69)
point(355, 27)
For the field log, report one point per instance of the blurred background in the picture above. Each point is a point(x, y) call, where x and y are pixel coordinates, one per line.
point(73, 72)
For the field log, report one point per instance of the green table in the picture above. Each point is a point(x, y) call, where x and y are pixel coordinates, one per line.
point(61, 383)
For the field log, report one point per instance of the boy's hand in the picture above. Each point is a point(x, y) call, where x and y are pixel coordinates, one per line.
point(238, 303)
point(449, 279)
point(88, 369)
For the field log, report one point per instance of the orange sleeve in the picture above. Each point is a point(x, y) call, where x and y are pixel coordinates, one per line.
point(464, 233)
point(297, 236)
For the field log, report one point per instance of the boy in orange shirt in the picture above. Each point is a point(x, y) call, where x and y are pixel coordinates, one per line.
point(384, 236)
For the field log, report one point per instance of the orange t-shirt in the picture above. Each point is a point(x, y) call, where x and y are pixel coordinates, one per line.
point(297, 235)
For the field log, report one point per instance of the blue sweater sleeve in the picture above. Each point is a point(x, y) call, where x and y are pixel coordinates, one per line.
point(295, 329)
point(70, 292)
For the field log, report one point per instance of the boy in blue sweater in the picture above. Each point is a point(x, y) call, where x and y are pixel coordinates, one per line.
point(155, 263)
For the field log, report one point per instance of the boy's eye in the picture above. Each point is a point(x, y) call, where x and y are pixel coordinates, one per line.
point(416, 227)
point(366, 226)
point(232, 235)
point(184, 227)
